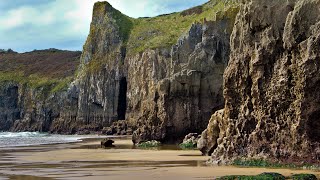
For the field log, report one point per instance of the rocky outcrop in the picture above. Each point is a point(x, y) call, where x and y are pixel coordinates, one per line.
point(271, 85)
point(163, 91)
point(29, 100)
point(190, 140)
point(9, 110)
point(184, 99)
point(118, 128)
point(208, 141)
point(96, 97)
point(26, 109)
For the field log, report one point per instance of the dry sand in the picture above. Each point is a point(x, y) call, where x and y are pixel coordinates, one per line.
point(84, 161)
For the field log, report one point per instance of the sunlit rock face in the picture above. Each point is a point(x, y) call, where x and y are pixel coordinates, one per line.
point(271, 85)
point(183, 97)
point(162, 93)
point(164, 83)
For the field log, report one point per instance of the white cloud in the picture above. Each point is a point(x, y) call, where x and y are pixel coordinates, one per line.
point(24, 15)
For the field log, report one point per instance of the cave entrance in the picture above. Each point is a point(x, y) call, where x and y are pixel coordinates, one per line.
point(122, 99)
point(313, 129)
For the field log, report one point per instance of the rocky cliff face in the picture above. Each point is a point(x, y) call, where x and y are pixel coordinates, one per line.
point(33, 88)
point(163, 86)
point(165, 80)
point(178, 91)
point(163, 93)
point(271, 85)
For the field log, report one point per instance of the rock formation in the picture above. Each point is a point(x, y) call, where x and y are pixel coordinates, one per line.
point(163, 92)
point(162, 75)
point(271, 85)
point(33, 88)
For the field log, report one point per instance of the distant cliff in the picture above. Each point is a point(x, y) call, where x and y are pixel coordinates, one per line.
point(33, 87)
point(271, 85)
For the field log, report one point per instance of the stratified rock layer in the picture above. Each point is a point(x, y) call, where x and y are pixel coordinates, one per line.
point(33, 88)
point(183, 99)
point(272, 83)
point(162, 93)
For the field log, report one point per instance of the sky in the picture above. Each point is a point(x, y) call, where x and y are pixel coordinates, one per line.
point(26, 25)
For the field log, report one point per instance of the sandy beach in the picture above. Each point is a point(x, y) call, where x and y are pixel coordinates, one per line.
point(85, 160)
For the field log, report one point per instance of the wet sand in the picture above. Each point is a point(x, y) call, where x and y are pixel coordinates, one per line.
point(86, 160)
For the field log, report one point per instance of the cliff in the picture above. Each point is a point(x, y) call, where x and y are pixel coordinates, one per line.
point(33, 86)
point(271, 85)
point(162, 75)
point(252, 64)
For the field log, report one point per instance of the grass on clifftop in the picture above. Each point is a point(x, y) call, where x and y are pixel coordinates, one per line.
point(47, 70)
point(154, 32)
point(165, 30)
point(48, 85)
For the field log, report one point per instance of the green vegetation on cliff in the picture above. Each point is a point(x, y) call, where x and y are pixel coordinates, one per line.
point(164, 30)
point(48, 70)
point(137, 35)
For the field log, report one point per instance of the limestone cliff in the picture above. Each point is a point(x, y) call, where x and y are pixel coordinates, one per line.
point(162, 75)
point(165, 81)
point(188, 90)
point(33, 87)
point(164, 90)
point(271, 85)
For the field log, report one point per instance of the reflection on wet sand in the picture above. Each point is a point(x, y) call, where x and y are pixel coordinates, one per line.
point(87, 160)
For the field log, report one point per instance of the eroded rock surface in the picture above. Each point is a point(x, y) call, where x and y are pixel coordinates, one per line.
point(271, 85)
point(208, 141)
point(33, 88)
point(182, 99)
point(163, 92)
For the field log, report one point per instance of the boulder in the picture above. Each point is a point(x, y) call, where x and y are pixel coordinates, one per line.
point(208, 141)
point(107, 143)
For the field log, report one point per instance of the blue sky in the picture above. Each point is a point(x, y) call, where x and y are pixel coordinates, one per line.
point(26, 25)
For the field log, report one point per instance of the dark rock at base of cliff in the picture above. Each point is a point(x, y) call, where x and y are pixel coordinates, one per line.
point(118, 128)
point(190, 141)
point(208, 141)
point(191, 138)
point(107, 143)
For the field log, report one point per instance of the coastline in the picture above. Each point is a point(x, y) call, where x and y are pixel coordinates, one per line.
point(84, 160)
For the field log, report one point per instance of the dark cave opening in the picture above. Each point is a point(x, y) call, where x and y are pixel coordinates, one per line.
point(122, 99)
point(313, 126)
